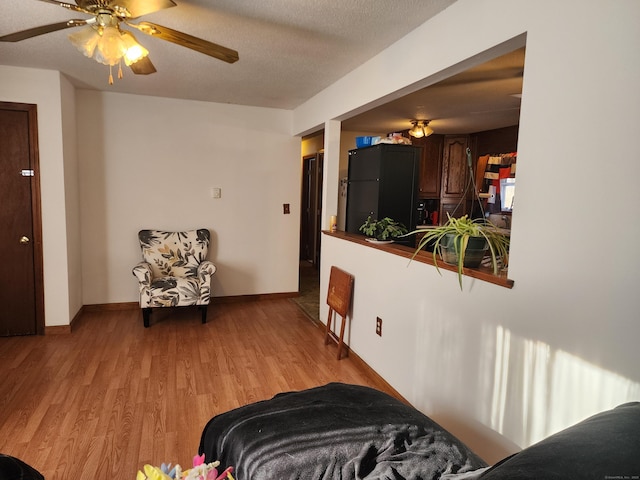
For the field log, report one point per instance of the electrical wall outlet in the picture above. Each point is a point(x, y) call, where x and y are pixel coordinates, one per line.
point(379, 326)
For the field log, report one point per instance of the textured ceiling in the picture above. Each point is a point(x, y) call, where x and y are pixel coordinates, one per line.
point(289, 49)
point(481, 98)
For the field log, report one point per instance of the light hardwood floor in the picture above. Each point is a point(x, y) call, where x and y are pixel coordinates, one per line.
point(104, 400)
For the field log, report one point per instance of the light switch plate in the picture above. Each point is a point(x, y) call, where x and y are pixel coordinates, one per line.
point(216, 192)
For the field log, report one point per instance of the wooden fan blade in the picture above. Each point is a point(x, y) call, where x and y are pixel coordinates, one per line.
point(134, 8)
point(143, 67)
point(69, 6)
point(34, 32)
point(189, 41)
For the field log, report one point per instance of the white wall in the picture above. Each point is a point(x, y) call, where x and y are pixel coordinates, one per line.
point(497, 365)
point(50, 92)
point(149, 162)
point(311, 145)
point(71, 195)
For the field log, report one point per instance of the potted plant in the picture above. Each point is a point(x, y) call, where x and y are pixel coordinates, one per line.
point(384, 230)
point(463, 242)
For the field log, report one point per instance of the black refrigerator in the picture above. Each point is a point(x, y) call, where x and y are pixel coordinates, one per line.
point(383, 182)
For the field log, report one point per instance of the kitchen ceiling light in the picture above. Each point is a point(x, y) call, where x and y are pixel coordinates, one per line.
point(420, 128)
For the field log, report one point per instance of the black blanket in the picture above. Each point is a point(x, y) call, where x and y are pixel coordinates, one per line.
point(336, 431)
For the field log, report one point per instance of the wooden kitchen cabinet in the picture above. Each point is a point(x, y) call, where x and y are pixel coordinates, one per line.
point(444, 171)
point(454, 208)
point(455, 172)
point(430, 165)
point(455, 175)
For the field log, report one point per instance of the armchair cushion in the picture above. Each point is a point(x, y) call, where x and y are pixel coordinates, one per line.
point(174, 254)
point(175, 292)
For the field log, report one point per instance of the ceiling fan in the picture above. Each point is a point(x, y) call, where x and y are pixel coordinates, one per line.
point(105, 41)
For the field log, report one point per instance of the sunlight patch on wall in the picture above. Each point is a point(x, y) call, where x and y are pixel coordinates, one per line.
point(538, 391)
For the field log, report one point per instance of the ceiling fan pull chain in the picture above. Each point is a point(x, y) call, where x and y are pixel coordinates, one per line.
point(110, 76)
point(120, 70)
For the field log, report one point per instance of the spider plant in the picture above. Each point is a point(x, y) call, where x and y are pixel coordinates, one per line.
point(456, 233)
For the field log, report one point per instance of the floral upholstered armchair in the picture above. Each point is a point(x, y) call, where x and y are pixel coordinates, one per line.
point(174, 271)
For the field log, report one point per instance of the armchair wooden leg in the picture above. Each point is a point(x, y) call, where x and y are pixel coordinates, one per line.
point(146, 313)
point(204, 313)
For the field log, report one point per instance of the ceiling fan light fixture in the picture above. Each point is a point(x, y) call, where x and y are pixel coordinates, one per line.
point(133, 51)
point(420, 128)
point(85, 40)
point(110, 47)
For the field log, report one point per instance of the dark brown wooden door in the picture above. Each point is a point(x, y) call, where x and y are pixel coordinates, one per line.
point(430, 165)
point(318, 226)
point(311, 208)
point(20, 245)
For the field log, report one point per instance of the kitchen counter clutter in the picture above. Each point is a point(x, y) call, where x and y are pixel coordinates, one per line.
point(481, 273)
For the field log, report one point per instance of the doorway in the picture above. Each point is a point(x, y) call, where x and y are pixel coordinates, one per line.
point(311, 209)
point(21, 275)
point(310, 236)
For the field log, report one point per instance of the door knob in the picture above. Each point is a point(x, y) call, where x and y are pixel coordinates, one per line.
point(24, 240)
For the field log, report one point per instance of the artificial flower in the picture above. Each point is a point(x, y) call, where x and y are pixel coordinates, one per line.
point(200, 471)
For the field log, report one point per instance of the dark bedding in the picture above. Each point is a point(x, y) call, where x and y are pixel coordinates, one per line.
point(604, 446)
point(12, 468)
point(336, 431)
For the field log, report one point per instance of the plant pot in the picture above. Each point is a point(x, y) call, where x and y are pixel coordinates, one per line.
point(473, 255)
point(379, 242)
